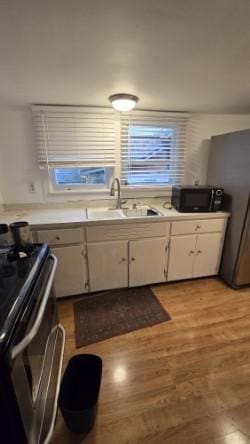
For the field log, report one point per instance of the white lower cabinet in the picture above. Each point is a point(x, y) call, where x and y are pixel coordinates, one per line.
point(207, 254)
point(147, 261)
point(108, 265)
point(181, 257)
point(120, 264)
point(71, 274)
point(194, 256)
point(129, 255)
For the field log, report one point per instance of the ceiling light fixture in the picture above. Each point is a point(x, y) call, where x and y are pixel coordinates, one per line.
point(123, 102)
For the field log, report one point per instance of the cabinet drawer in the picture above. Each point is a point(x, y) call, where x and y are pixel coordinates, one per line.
point(127, 231)
point(58, 237)
point(198, 226)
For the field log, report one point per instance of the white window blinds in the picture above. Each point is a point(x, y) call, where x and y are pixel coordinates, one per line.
point(74, 136)
point(152, 148)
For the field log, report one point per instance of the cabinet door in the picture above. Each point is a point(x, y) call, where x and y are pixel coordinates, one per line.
point(147, 261)
point(108, 265)
point(207, 255)
point(71, 274)
point(181, 257)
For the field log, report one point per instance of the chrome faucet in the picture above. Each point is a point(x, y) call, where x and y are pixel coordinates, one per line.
point(112, 192)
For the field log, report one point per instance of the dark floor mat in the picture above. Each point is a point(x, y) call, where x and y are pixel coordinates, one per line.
point(103, 315)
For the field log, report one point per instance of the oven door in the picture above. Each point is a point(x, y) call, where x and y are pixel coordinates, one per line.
point(196, 200)
point(37, 359)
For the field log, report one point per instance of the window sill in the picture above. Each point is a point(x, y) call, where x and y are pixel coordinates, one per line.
point(147, 187)
point(75, 191)
point(74, 195)
point(104, 193)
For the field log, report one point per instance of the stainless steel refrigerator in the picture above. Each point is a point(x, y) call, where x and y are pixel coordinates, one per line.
point(229, 167)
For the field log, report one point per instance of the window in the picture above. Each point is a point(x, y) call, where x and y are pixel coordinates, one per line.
point(76, 146)
point(152, 150)
point(149, 147)
point(78, 176)
point(73, 178)
point(83, 148)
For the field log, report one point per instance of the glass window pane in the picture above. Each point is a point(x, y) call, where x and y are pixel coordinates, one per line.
point(149, 153)
point(80, 176)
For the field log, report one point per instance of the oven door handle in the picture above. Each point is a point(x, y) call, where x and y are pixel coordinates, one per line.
point(33, 331)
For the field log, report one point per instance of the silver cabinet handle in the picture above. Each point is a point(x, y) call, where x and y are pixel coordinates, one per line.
point(167, 246)
point(33, 331)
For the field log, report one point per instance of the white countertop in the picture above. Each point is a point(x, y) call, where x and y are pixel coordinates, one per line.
point(45, 216)
point(77, 216)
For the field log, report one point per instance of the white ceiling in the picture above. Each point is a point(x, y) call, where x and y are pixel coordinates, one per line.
point(174, 54)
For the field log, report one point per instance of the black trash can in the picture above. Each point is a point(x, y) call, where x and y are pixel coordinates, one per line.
point(79, 392)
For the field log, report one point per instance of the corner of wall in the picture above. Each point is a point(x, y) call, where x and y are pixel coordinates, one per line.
point(200, 129)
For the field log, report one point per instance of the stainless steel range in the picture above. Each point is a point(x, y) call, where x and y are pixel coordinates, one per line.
point(31, 347)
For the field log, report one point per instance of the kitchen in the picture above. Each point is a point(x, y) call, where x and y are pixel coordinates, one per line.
point(121, 200)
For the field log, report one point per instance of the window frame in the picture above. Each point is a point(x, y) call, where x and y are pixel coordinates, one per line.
point(80, 186)
point(130, 190)
point(137, 163)
point(164, 118)
point(54, 188)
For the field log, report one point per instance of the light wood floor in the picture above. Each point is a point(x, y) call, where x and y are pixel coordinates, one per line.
point(183, 381)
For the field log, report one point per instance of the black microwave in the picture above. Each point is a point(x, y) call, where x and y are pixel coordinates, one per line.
point(192, 199)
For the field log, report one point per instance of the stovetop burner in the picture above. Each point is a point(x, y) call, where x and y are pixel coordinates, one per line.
point(16, 253)
point(7, 271)
point(13, 261)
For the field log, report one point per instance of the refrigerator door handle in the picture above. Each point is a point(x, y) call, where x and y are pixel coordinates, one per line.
point(242, 272)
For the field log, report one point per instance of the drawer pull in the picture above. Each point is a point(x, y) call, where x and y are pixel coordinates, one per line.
point(57, 237)
point(132, 259)
point(199, 252)
point(123, 259)
point(198, 227)
point(191, 252)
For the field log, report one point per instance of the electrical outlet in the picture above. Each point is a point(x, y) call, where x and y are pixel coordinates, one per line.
point(31, 187)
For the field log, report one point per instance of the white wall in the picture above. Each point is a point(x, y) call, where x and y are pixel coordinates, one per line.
point(18, 157)
point(1, 179)
point(18, 165)
point(201, 128)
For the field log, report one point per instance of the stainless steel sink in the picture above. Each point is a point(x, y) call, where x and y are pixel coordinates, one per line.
point(141, 211)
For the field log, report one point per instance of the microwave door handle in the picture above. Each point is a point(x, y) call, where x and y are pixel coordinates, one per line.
point(211, 200)
point(33, 331)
